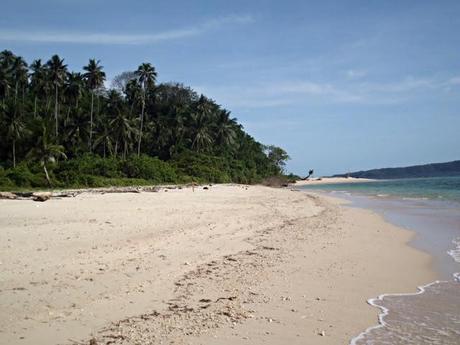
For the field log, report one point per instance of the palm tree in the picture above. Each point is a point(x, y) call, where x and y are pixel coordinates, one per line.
point(15, 131)
point(225, 129)
point(95, 79)
point(76, 132)
point(57, 72)
point(105, 139)
point(114, 105)
point(19, 74)
point(45, 152)
point(147, 77)
point(202, 124)
point(74, 89)
point(202, 137)
point(123, 130)
point(7, 57)
point(4, 82)
point(37, 81)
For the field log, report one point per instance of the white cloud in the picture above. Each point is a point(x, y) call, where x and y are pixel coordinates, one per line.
point(355, 73)
point(296, 92)
point(454, 81)
point(111, 38)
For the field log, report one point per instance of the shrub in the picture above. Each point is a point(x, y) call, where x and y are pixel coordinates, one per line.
point(149, 168)
point(202, 167)
point(21, 176)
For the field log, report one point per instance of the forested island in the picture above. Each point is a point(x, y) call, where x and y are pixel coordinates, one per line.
point(425, 170)
point(62, 128)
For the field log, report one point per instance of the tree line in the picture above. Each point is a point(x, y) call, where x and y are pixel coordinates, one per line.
point(55, 123)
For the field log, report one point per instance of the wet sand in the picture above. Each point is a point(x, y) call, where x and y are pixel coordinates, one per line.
point(231, 264)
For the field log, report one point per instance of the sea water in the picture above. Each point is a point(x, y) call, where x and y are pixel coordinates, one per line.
point(431, 208)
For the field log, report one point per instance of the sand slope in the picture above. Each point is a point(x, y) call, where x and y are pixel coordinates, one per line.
point(232, 264)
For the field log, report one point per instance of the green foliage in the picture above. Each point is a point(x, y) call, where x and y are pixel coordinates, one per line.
point(149, 168)
point(202, 168)
point(22, 176)
point(5, 182)
point(136, 133)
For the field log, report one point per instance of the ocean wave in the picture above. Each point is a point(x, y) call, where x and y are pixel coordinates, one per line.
point(385, 311)
point(455, 253)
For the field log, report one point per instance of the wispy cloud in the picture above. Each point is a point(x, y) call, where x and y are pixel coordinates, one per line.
point(355, 73)
point(454, 81)
point(114, 38)
point(283, 93)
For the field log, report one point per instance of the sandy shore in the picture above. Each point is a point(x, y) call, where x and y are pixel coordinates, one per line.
point(331, 180)
point(227, 265)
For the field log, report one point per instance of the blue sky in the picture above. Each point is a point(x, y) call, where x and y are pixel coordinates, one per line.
point(341, 85)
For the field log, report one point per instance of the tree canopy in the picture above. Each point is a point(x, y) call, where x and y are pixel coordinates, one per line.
point(68, 126)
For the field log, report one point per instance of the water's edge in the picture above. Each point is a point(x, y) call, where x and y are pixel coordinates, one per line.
point(453, 255)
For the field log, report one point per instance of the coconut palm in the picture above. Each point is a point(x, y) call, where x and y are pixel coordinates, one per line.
point(4, 82)
point(15, 131)
point(19, 75)
point(225, 129)
point(202, 137)
point(105, 139)
point(45, 152)
point(95, 78)
point(76, 132)
point(123, 130)
point(37, 81)
point(57, 72)
point(147, 77)
point(7, 57)
point(74, 88)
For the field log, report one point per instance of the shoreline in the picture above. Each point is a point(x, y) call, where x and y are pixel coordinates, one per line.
point(330, 180)
point(230, 264)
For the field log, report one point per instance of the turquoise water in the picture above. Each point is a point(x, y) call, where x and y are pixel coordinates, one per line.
point(438, 188)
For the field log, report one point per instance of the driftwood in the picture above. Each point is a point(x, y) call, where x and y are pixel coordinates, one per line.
point(44, 196)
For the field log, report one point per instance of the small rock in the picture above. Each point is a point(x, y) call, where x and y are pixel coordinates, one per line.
point(322, 333)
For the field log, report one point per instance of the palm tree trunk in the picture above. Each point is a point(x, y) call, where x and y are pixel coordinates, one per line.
point(91, 122)
point(142, 125)
point(14, 153)
point(16, 93)
point(56, 109)
point(46, 175)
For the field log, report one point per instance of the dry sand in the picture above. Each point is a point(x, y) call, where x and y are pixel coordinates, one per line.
point(227, 265)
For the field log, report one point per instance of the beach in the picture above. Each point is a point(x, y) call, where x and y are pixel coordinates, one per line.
point(329, 180)
point(223, 265)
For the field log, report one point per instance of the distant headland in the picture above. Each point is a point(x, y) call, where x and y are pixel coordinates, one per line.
point(425, 170)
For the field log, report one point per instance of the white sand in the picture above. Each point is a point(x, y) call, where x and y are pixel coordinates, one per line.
point(228, 265)
point(331, 180)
